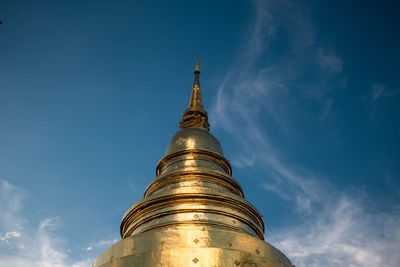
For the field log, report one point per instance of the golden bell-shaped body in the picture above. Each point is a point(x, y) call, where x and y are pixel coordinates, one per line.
point(194, 213)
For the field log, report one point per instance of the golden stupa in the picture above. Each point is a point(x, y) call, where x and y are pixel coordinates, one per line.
point(193, 213)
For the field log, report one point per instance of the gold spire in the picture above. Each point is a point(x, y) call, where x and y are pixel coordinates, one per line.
point(195, 99)
point(195, 115)
point(197, 69)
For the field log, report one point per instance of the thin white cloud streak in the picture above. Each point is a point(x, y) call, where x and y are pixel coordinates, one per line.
point(337, 228)
point(39, 246)
point(101, 245)
point(326, 109)
point(379, 91)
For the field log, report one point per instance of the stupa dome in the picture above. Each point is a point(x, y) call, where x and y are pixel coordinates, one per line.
point(194, 139)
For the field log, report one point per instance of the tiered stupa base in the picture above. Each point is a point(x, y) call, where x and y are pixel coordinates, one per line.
point(192, 246)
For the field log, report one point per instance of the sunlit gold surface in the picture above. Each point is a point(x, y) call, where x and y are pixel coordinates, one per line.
point(194, 138)
point(193, 213)
point(192, 245)
point(197, 64)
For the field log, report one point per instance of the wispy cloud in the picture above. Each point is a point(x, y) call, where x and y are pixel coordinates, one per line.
point(9, 235)
point(101, 244)
point(380, 90)
point(345, 233)
point(274, 86)
point(326, 109)
point(24, 244)
point(270, 75)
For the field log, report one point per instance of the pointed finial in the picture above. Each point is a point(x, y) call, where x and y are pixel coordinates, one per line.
point(195, 115)
point(197, 69)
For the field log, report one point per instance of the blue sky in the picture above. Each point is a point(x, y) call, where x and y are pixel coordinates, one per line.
point(303, 95)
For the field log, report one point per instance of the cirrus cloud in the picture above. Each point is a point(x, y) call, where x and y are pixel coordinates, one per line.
point(25, 244)
point(336, 227)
